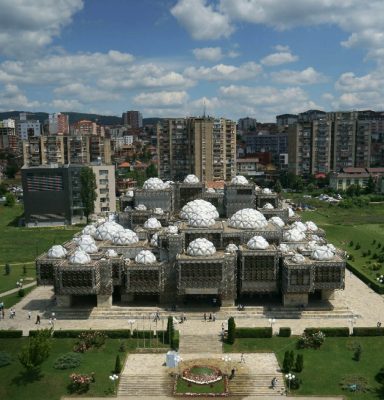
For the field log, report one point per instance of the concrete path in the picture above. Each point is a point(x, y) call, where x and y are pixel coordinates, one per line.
point(28, 285)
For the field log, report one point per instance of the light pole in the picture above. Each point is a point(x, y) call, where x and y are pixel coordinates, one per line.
point(131, 322)
point(272, 321)
point(289, 377)
point(113, 378)
point(226, 360)
point(352, 321)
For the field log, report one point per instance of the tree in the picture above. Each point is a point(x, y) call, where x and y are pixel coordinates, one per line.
point(371, 186)
point(37, 351)
point(299, 364)
point(151, 171)
point(278, 188)
point(88, 190)
point(231, 331)
point(287, 364)
point(10, 200)
point(7, 269)
point(117, 365)
point(170, 330)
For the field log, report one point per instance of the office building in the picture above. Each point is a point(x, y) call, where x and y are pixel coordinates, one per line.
point(133, 118)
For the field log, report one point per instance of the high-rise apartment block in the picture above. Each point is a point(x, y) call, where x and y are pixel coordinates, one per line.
point(133, 118)
point(205, 147)
point(8, 137)
point(58, 124)
point(27, 128)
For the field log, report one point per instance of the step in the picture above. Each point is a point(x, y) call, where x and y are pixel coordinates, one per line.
point(145, 385)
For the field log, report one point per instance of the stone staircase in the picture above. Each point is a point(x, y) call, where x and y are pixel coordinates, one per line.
point(256, 385)
point(149, 386)
point(190, 344)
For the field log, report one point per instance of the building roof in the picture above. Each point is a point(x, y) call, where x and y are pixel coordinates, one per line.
point(215, 184)
point(124, 165)
point(354, 170)
point(377, 170)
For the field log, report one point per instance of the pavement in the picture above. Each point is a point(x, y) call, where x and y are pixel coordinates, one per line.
point(28, 285)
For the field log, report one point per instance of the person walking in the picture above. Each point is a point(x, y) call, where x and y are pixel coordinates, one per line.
point(37, 319)
point(242, 358)
point(29, 315)
point(205, 317)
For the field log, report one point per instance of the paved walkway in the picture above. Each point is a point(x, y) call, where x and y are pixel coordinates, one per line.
point(28, 285)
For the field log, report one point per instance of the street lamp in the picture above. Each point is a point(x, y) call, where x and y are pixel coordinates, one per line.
point(131, 322)
point(226, 360)
point(289, 377)
point(113, 378)
point(272, 321)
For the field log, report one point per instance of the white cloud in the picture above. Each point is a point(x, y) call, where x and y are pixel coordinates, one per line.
point(85, 93)
point(12, 98)
point(201, 20)
point(224, 72)
point(161, 99)
point(279, 58)
point(208, 53)
point(352, 83)
point(67, 105)
point(26, 26)
point(308, 76)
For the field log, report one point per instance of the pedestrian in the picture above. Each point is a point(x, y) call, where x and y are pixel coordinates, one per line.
point(242, 358)
point(222, 326)
point(379, 324)
point(29, 315)
point(210, 316)
point(274, 383)
point(37, 319)
point(214, 317)
point(3, 312)
point(205, 317)
point(233, 370)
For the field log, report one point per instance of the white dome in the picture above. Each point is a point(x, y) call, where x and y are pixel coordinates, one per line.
point(331, 247)
point(284, 248)
point(298, 258)
point(267, 191)
point(155, 240)
point(268, 206)
point(231, 248)
point(248, 218)
point(201, 247)
point(107, 230)
point(322, 253)
point(111, 253)
point(79, 257)
point(145, 257)
point(57, 251)
point(201, 219)
point(311, 245)
point(89, 230)
point(199, 206)
point(167, 184)
point(172, 229)
point(129, 193)
point(277, 221)
point(125, 237)
point(88, 247)
point(311, 226)
point(293, 235)
point(154, 184)
point(152, 223)
point(128, 208)
point(141, 207)
point(211, 190)
point(158, 211)
point(239, 180)
point(257, 243)
point(291, 213)
point(191, 179)
point(299, 226)
point(316, 238)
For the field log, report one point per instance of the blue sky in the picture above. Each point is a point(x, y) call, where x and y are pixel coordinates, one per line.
point(169, 58)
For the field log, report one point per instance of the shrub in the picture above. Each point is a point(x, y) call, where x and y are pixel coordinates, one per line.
point(7, 269)
point(253, 332)
point(374, 241)
point(357, 247)
point(175, 340)
point(67, 361)
point(10, 334)
point(21, 292)
point(231, 331)
point(295, 383)
point(311, 340)
point(357, 353)
point(170, 329)
point(368, 331)
point(376, 267)
point(375, 256)
point(117, 365)
point(284, 332)
point(369, 252)
point(378, 245)
point(351, 243)
point(329, 332)
point(122, 347)
point(110, 333)
point(79, 383)
point(88, 340)
point(351, 257)
point(287, 362)
point(5, 358)
point(380, 375)
point(299, 364)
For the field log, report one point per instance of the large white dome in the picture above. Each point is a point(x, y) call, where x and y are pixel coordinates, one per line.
point(152, 223)
point(141, 207)
point(322, 253)
point(129, 193)
point(158, 211)
point(293, 235)
point(172, 230)
point(57, 251)
point(239, 180)
point(201, 247)
point(89, 230)
point(298, 258)
point(79, 257)
point(231, 248)
point(87, 243)
point(197, 207)
point(284, 248)
point(107, 230)
point(257, 243)
point(248, 218)
point(277, 221)
point(191, 179)
point(154, 184)
point(299, 226)
point(268, 206)
point(125, 237)
point(200, 219)
point(145, 257)
point(311, 226)
point(267, 191)
point(111, 253)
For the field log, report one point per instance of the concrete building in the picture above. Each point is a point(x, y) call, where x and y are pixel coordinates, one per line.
point(284, 120)
point(8, 137)
point(86, 127)
point(58, 124)
point(105, 188)
point(27, 128)
point(133, 118)
point(246, 124)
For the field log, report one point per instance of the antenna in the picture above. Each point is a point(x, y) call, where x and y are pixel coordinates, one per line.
point(204, 108)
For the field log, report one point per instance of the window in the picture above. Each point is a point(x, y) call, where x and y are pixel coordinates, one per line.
point(103, 172)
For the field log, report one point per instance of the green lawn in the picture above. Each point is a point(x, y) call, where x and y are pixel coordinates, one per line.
point(12, 299)
point(52, 384)
point(325, 368)
point(21, 244)
point(8, 282)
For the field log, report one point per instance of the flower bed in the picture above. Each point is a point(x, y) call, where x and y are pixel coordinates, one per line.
point(202, 375)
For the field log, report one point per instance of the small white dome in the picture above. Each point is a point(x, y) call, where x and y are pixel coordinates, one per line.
point(198, 206)
point(293, 235)
point(311, 226)
point(88, 247)
point(248, 218)
point(299, 226)
point(167, 184)
point(231, 248)
point(201, 219)
point(155, 240)
point(141, 207)
point(191, 179)
point(311, 245)
point(152, 223)
point(331, 247)
point(153, 184)
point(268, 206)
point(257, 243)
point(172, 230)
point(322, 253)
point(89, 230)
point(277, 221)
point(158, 211)
point(125, 237)
point(316, 238)
point(79, 257)
point(57, 251)
point(239, 180)
point(284, 248)
point(145, 257)
point(298, 258)
point(129, 193)
point(107, 230)
point(201, 247)
point(111, 253)
point(291, 213)
point(267, 191)
point(211, 190)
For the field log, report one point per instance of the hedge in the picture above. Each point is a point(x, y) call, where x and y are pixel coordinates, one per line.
point(329, 332)
point(368, 331)
point(285, 331)
point(10, 334)
point(253, 332)
point(176, 340)
point(371, 283)
point(74, 333)
point(148, 334)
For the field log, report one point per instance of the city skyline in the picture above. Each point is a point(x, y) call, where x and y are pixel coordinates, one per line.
point(178, 58)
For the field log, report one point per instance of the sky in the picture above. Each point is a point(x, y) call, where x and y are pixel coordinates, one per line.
point(177, 58)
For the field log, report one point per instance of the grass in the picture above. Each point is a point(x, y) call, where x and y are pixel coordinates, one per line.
point(8, 282)
point(52, 383)
point(325, 369)
point(12, 299)
point(183, 386)
point(21, 244)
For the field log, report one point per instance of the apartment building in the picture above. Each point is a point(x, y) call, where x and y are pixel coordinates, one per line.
point(27, 128)
point(58, 124)
point(105, 188)
point(8, 137)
